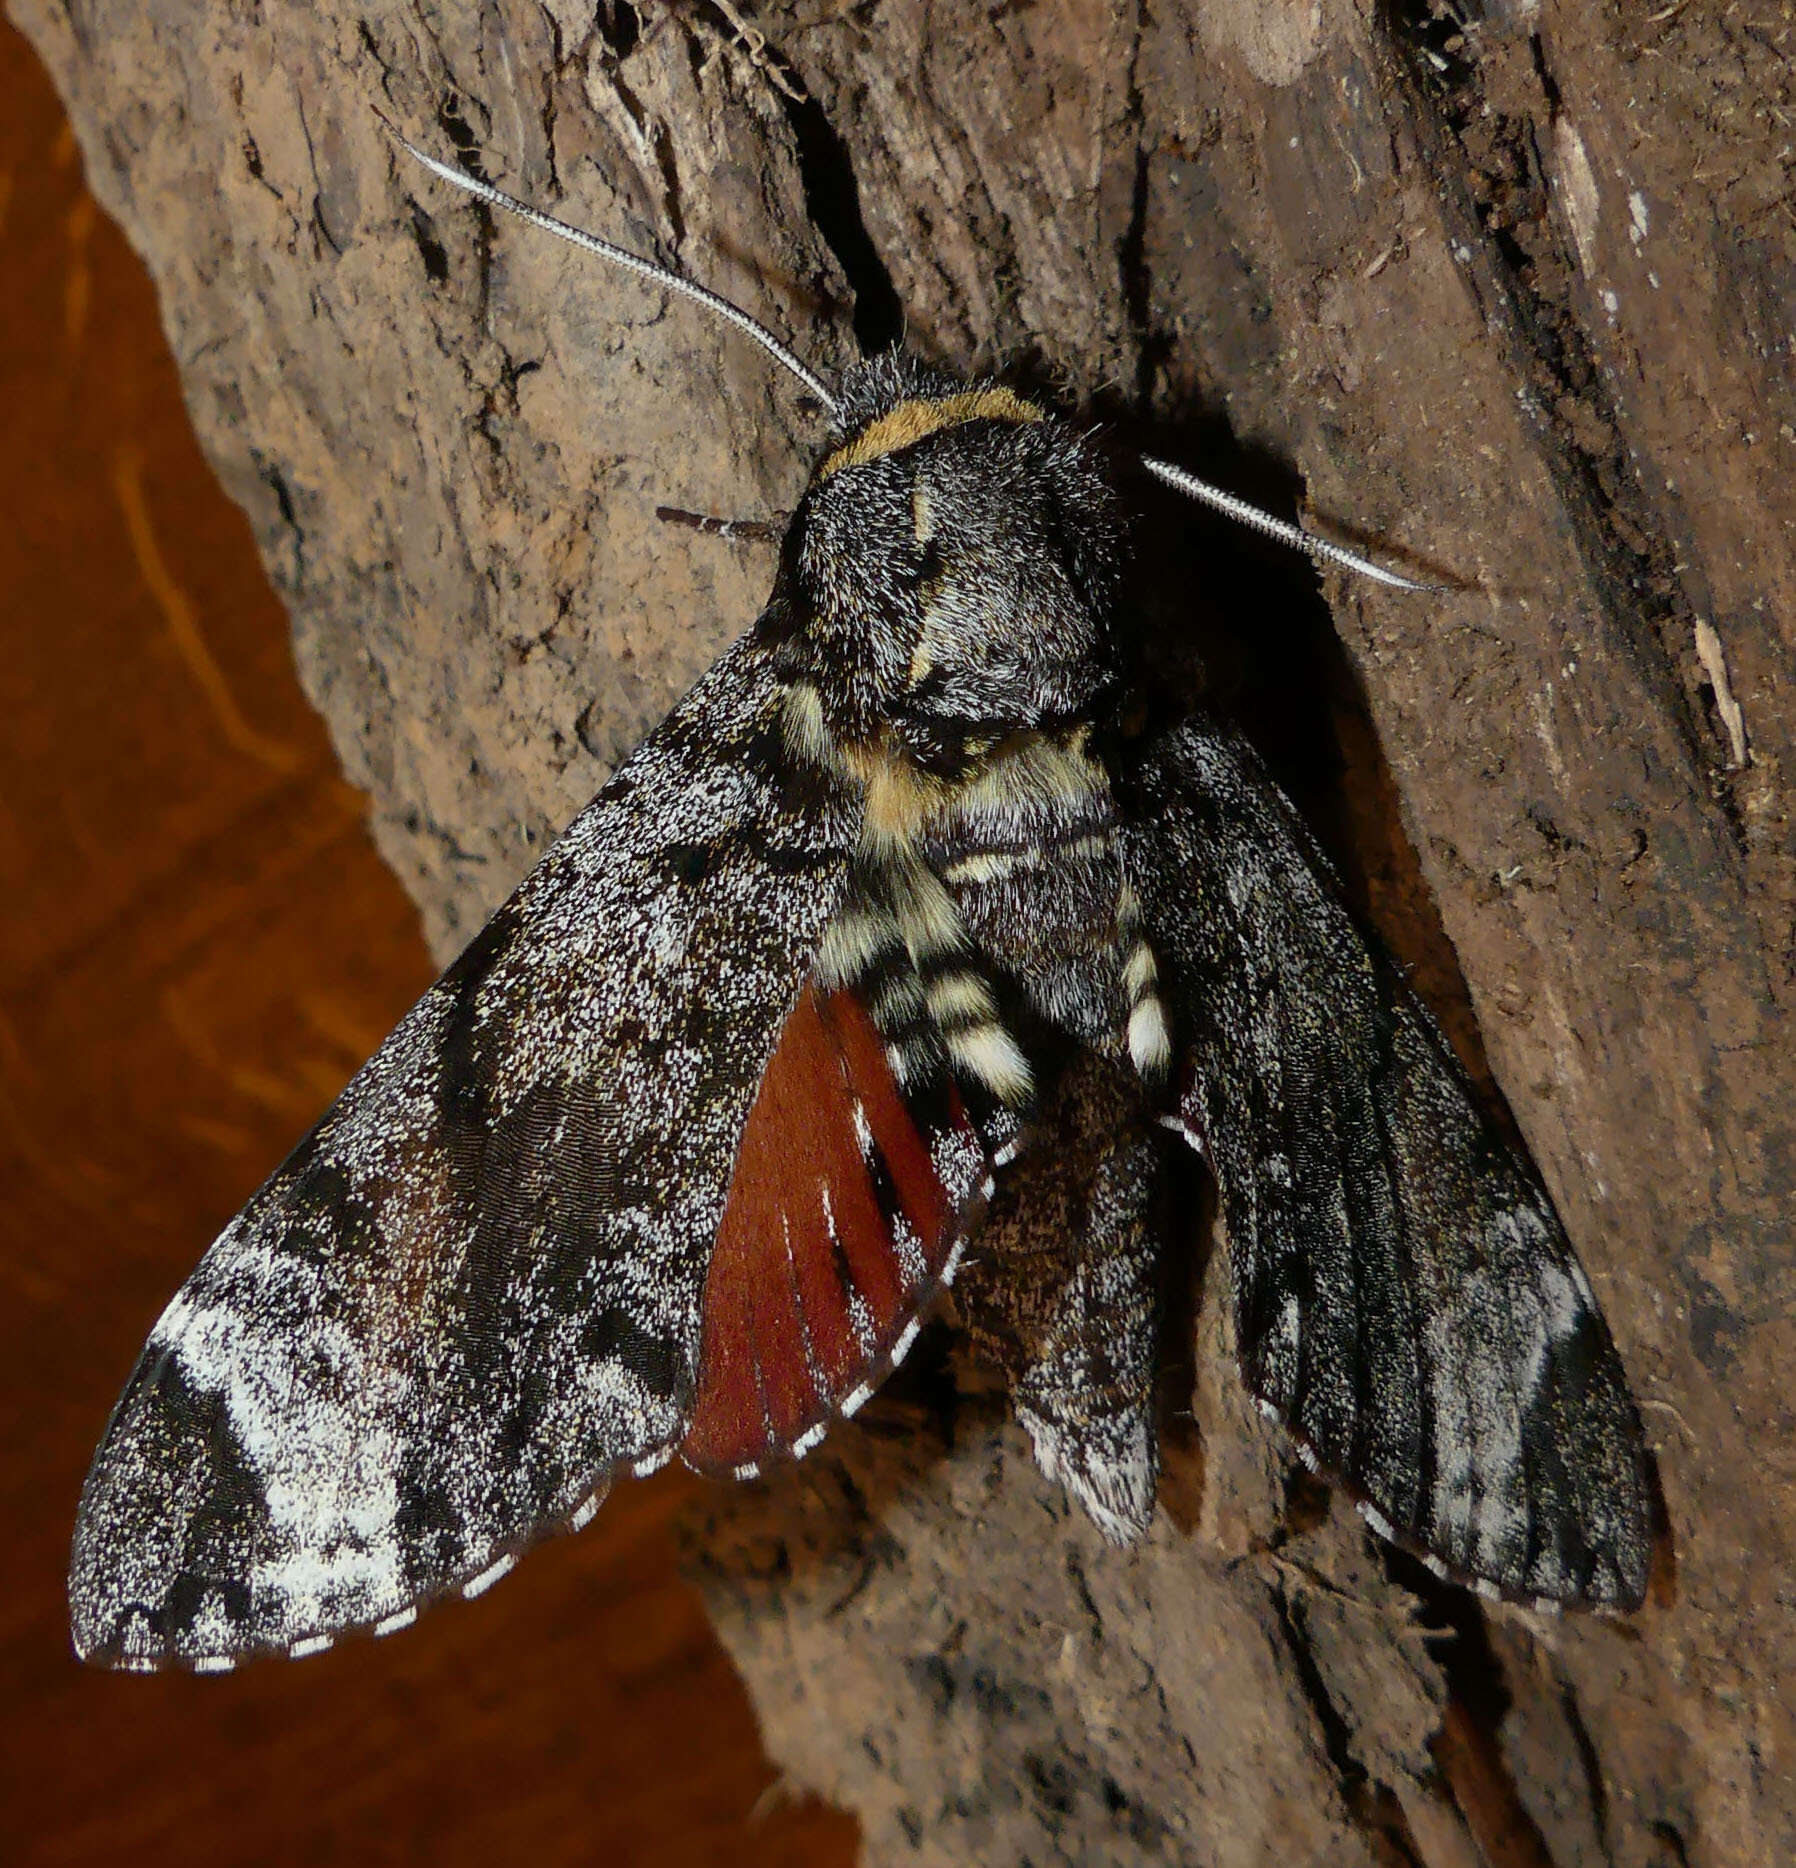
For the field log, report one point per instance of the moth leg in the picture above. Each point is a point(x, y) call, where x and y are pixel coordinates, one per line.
point(746, 531)
point(1066, 1296)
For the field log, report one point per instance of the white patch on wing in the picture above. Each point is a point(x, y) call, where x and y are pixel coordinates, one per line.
point(862, 1319)
point(1565, 1298)
point(1280, 1348)
point(909, 1249)
point(959, 1160)
point(330, 1474)
point(1117, 1491)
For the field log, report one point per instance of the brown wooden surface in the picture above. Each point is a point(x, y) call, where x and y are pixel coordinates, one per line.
point(198, 945)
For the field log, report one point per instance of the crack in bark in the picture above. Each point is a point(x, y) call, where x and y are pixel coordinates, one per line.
point(1370, 1806)
point(1590, 1764)
point(832, 198)
point(1152, 346)
point(620, 26)
point(1631, 565)
point(1468, 1747)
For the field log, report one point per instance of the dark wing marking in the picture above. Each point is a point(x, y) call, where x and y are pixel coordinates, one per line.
point(474, 1290)
point(846, 1215)
point(1407, 1302)
point(1065, 1295)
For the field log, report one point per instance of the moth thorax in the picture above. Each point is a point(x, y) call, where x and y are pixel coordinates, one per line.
point(951, 571)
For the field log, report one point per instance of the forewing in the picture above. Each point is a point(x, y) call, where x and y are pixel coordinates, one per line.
point(474, 1290)
point(1407, 1302)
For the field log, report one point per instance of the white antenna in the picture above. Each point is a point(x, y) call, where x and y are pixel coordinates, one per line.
point(1187, 483)
point(619, 256)
point(1280, 529)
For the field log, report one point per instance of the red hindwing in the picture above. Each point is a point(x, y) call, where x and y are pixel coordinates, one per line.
point(845, 1216)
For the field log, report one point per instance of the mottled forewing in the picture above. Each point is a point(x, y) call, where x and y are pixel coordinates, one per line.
point(1407, 1302)
point(474, 1290)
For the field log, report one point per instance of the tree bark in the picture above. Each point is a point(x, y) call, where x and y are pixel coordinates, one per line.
point(1513, 297)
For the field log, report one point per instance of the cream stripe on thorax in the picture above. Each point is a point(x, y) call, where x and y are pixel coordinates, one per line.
point(913, 420)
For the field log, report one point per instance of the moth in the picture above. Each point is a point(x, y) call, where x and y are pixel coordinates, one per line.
point(915, 895)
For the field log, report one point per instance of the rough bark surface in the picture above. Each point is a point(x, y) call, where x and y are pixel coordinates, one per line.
point(1512, 294)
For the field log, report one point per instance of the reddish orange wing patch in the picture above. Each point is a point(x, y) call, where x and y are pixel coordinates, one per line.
point(845, 1216)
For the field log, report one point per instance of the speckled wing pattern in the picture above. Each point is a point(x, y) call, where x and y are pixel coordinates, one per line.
point(1406, 1300)
point(473, 1292)
point(672, 1157)
point(1065, 1294)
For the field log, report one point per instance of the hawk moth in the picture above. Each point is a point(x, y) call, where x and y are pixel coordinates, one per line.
point(917, 891)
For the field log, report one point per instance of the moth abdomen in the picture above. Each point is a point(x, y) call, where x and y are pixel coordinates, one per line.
point(1150, 1040)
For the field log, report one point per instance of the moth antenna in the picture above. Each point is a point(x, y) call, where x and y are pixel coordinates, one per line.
point(1186, 483)
point(619, 256)
point(1280, 529)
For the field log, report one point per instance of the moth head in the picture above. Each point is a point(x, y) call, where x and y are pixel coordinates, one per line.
point(950, 575)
